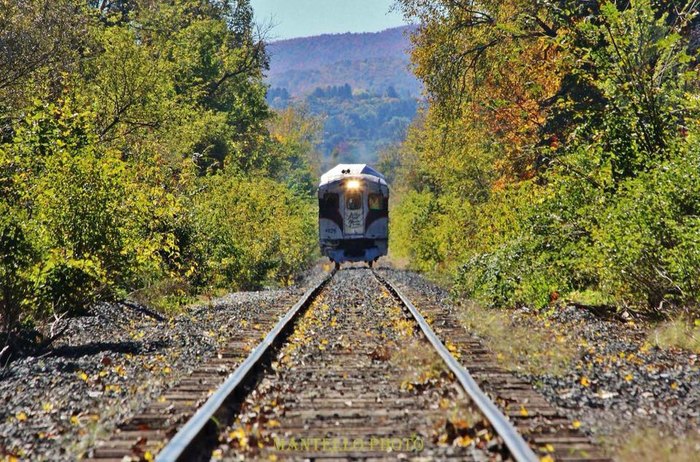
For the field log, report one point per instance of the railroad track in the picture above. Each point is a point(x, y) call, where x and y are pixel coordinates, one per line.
point(355, 371)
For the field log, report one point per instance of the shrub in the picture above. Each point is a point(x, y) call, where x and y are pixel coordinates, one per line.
point(82, 225)
point(648, 239)
point(251, 230)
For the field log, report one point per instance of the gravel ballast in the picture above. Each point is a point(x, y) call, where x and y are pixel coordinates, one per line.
point(617, 384)
point(109, 365)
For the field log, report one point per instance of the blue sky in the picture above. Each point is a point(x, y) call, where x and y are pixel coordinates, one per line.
point(302, 18)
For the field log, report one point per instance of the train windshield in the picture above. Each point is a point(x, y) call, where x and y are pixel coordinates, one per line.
point(353, 200)
point(376, 202)
point(328, 205)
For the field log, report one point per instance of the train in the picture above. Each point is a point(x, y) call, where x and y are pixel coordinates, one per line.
point(353, 214)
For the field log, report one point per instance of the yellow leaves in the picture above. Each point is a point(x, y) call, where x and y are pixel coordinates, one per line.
point(243, 323)
point(166, 370)
point(119, 370)
point(21, 416)
point(523, 411)
point(629, 378)
point(585, 382)
point(272, 423)
point(548, 447)
point(83, 376)
point(407, 385)
point(463, 441)
point(148, 456)
point(238, 436)
point(547, 458)
point(47, 407)
point(576, 424)
point(74, 420)
point(113, 387)
point(674, 386)
point(452, 348)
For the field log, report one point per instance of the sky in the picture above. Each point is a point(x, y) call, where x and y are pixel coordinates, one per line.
point(303, 18)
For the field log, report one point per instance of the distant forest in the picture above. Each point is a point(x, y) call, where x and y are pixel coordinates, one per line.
point(357, 125)
point(360, 84)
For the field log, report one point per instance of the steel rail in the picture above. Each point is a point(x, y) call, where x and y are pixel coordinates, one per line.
point(183, 439)
point(518, 447)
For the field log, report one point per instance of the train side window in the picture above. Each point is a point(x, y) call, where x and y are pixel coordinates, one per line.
point(329, 204)
point(353, 200)
point(376, 202)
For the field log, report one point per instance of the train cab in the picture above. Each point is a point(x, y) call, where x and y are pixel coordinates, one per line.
point(353, 214)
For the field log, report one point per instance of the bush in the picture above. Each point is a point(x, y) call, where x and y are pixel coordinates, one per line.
point(251, 230)
point(648, 240)
point(82, 224)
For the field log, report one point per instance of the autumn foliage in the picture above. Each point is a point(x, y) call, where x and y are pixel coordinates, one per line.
point(135, 152)
point(559, 153)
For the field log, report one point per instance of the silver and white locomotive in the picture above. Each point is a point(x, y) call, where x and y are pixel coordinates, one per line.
point(353, 224)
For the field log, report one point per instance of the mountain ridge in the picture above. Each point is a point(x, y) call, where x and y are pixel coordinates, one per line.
point(369, 61)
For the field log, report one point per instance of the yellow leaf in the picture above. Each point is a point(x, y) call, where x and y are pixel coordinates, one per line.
point(463, 441)
point(523, 411)
point(74, 420)
point(148, 457)
point(166, 370)
point(547, 458)
point(674, 386)
point(47, 407)
point(576, 424)
point(83, 376)
point(21, 416)
point(549, 448)
point(585, 382)
point(629, 377)
point(272, 423)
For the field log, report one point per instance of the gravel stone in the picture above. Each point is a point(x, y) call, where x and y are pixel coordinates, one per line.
point(109, 365)
point(618, 383)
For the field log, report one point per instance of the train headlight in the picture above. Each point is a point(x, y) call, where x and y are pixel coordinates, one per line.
point(352, 184)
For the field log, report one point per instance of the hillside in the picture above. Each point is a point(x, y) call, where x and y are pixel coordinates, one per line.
point(361, 84)
point(367, 61)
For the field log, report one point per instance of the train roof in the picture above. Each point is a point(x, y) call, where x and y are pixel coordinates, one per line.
point(348, 170)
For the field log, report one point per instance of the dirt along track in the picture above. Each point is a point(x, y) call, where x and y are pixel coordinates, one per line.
point(357, 380)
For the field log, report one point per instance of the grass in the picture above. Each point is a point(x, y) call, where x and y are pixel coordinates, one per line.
point(677, 333)
point(530, 346)
point(656, 446)
point(591, 298)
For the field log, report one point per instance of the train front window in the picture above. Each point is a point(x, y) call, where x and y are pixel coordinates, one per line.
point(353, 200)
point(328, 205)
point(376, 202)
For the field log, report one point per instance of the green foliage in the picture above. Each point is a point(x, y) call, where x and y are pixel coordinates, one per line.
point(648, 242)
point(609, 116)
point(92, 224)
point(138, 155)
point(252, 230)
